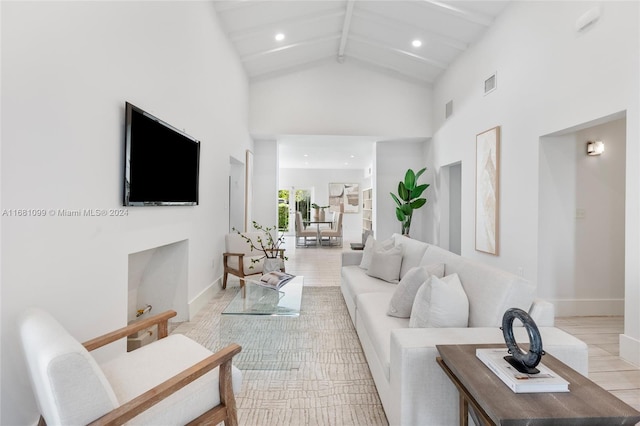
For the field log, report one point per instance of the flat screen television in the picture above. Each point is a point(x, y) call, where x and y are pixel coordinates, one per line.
point(161, 162)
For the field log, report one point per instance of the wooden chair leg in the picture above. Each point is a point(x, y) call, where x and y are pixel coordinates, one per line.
point(224, 280)
point(226, 394)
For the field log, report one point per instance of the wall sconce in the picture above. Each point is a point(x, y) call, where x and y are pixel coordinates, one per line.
point(595, 148)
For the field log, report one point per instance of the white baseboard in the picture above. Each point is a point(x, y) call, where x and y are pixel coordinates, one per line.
point(630, 349)
point(588, 307)
point(201, 300)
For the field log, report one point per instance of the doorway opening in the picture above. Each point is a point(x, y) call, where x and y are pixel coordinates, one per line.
point(581, 229)
point(236, 194)
point(291, 201)
point(451, 199)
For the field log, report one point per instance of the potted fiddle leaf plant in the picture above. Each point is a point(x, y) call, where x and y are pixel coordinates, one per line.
point(408, 198)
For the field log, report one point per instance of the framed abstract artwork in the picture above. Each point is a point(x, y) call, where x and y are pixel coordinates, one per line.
point(487, 190)
point(344, 197)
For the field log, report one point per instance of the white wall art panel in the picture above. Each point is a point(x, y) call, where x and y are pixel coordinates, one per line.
point(487, 190)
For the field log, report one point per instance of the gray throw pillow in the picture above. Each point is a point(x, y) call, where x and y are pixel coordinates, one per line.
point(370, 246)
point(402, 299)
point(385, 264)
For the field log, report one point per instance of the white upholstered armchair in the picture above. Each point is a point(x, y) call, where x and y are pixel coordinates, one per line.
point(173, 381)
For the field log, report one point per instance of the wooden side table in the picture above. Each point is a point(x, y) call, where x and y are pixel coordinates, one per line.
point(585, 404)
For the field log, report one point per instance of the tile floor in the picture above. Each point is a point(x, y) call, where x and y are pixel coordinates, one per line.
point(321, 267)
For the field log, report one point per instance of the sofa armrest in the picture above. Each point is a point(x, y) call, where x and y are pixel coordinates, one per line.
point(353, 257)
point(543, 313)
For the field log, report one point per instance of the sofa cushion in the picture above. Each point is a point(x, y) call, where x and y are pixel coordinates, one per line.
point(490, 290)
point(440, 303)
point(370, 246)
point(377, 325)
point(402, 300)
point(356, 281)
point(413, 251)
point(385, 264)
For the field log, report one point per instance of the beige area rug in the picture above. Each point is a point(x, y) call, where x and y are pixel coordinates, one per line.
point(311, 371)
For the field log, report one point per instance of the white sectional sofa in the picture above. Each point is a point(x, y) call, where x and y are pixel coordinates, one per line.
point(412, 387)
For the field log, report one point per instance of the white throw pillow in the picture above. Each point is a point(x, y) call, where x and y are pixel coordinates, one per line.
point(402, 299)
point(386, 264)
point(370, 246)
point(440, 303)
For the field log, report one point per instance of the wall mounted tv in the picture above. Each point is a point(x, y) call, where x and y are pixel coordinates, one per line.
point(161, 162)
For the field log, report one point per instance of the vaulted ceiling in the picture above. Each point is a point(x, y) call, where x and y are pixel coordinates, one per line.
point(377, 34)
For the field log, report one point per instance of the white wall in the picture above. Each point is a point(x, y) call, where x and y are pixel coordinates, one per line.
point(549, 78)
point(393, 158)
point(265, 183)
point(346, 99)
point(340, 99)
point(67, 70)
point(318, 180)
point(581, 239)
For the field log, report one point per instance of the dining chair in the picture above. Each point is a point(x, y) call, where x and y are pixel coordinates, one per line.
point(302, 233)
point(333, 235)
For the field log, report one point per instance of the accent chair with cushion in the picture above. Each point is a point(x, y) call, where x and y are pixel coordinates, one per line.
point(172, 381)
point(240, 260)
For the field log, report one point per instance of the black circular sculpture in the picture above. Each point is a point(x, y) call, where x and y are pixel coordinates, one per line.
point(524, 362)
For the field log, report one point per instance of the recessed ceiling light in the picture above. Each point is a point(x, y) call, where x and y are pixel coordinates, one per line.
point(352, 156)
point(279, 37)
point(416, 43)
point(306, 155)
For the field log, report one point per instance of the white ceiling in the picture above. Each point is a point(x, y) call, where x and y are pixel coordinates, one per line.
point(376, 34)
point(325, 152)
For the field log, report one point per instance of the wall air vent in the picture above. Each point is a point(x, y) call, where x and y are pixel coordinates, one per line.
point(448, 109)
point(491, 83)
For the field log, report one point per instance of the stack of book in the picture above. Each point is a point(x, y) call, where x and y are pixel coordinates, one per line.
point(544, 381)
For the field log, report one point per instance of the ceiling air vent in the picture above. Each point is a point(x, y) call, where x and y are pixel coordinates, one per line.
point(490, 84)
point(448, 109)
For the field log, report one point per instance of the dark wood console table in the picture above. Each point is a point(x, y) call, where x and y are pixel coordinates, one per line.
point(494, 403)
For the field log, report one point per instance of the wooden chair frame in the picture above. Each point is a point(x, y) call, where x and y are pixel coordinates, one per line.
point(240, 271)
point(225, 412)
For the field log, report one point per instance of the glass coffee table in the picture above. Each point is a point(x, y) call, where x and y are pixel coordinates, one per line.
point(258, 300)
point(265, 323)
